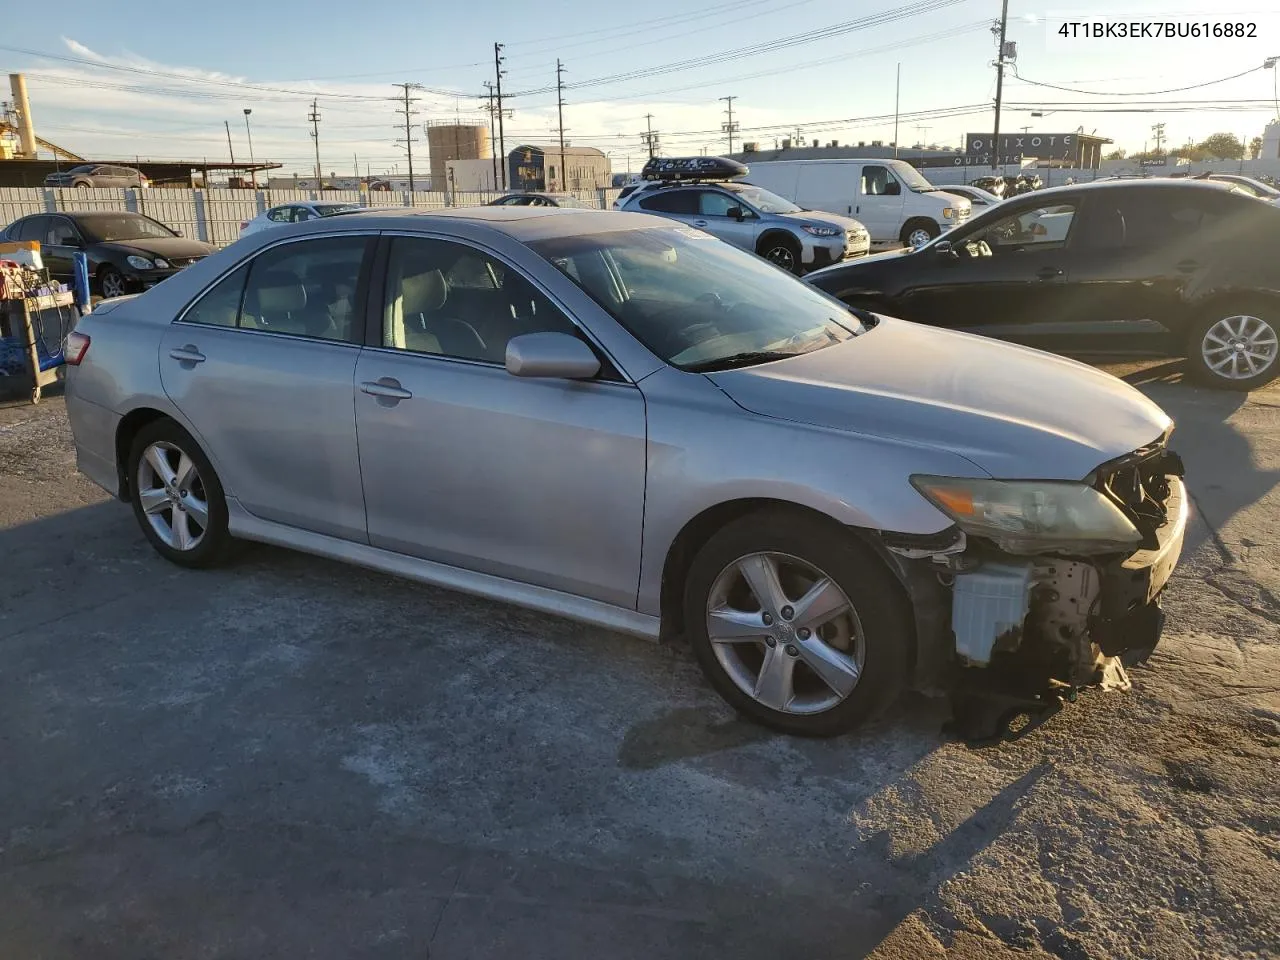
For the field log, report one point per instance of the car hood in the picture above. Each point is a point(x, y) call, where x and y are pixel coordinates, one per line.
point(167, 247)
point(1012, 411)
point(848, 224)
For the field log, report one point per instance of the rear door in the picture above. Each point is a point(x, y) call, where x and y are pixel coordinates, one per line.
point(678, 204)
point(263, 364)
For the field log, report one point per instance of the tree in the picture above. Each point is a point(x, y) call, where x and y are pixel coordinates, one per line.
point(1188, 152)
point(1115, 155)
point(1223, 146)
point(1255, 148)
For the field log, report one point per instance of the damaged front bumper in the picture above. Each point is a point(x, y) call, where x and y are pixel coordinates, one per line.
point(1010, 635)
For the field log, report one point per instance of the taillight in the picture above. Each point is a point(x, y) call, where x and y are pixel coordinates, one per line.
point(243, 224)
point(77, 346)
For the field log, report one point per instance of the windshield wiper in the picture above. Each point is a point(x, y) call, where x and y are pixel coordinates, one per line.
point(744, 359)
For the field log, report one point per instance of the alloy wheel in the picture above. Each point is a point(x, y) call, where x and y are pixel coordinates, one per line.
point(785, 633)
point(782, 257)
point(112, 284)
point(1239, 347)
point(172, 496)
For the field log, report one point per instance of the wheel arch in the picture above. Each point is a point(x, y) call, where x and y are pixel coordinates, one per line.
point(773, 234)
point(128, 428)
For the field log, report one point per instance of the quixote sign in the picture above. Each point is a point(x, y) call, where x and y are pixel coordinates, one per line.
point(981, 147)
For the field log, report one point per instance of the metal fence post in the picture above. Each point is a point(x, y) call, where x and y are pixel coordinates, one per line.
point(202, 218)
point(50, 201)
point(131, 200)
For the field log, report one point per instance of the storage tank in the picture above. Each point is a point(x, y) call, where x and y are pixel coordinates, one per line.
point(455, 140)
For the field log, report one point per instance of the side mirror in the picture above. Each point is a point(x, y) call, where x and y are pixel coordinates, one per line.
point(177, 231)
point(551, 355)
point(736, 213)
point(944, 248)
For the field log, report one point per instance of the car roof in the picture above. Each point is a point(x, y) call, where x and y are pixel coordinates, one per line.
point(520, 223)
point(1152, 183)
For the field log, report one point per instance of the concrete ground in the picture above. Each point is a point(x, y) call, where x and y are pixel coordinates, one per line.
point(290, 758)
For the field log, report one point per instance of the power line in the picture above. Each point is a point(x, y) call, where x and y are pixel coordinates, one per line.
point(408, 111)
point(1145, 93)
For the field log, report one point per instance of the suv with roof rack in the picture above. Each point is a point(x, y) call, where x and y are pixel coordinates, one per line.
point(702, 192)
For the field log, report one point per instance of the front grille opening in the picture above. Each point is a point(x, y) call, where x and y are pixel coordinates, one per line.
point(1139, 485)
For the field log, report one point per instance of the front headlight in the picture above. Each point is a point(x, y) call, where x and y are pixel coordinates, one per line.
point(948, 213)
point(139, 263)
point(821, 231)
point(162, 263)
point(1032, 516)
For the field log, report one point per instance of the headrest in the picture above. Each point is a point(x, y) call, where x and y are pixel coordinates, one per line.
point(423, 292)
point(279, 292)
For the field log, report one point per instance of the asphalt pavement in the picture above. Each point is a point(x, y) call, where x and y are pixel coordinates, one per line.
point(292, 758)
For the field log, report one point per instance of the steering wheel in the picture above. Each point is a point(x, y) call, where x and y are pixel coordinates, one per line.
point(712, 298)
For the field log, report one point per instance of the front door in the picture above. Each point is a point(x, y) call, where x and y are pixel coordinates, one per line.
point(879, 203)
point(1006, 280)
point(714, 208)
point(59, 247)
point(263, 367)
point(535, 480)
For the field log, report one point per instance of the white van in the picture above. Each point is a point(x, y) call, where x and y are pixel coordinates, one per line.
point(890, 197)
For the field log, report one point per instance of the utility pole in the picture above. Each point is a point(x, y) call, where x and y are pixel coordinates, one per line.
point(650, 136)
point(897, 102)
point(730, 127)
point(252, 173)
point(1157, 134)
point(230, 149)
point(995, 136)
point(498, 74)
point(408, 111)
point(493, 137)
point(313, 118)
point(564, 176)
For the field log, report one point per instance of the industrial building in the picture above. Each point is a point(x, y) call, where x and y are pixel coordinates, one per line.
point(455, 140)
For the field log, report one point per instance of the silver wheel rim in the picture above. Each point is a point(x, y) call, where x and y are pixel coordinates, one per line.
point(918, 237)
point(782, 256)
point(1239, 347)
point(173, 498)
point(785, 633)
point(112, 285)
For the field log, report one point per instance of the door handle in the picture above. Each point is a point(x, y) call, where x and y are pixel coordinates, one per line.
point(699, 223)
point(387, 388)
point(1048, 273)
point(187, 354)
point(1188, 266)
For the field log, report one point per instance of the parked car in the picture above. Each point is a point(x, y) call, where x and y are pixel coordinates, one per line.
point(1249, 185)
point(541, 200)
point(127, 251)
point(890, 197)
point(97, 175)
point(977, 197)
point(754, 219)
point(616, 419)
point(995, 185)
point(297, 212)
point(1159, 266)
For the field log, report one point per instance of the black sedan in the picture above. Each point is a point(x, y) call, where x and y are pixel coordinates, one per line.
point(1156, 267)
point(127, 251)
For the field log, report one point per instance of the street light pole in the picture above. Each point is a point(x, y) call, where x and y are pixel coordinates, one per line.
point(1270, 64)
point(248, 133)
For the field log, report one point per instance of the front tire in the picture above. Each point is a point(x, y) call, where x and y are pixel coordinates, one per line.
point(177, 497)
point(782, 251)
point(796, 624)
point(1236, 346)
point(111, 283)
point(916, 233)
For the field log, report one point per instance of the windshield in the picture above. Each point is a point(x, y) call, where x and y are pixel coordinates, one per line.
point(107, 227)
point(762, 199)
point(329, 209)
point(696, 302)
point(911, 177)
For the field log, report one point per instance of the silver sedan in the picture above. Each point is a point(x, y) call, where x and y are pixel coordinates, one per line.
point(609, 417)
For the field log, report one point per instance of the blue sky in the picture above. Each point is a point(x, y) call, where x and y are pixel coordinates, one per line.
point(838, 87)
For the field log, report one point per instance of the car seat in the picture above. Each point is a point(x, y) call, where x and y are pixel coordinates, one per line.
point(418, 324)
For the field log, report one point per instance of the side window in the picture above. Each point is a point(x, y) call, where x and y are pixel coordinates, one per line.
point(1147, 222)
point(1042, 227)
point(61, 233)
point(713, 203)
point(281, 214)
point(451, 300)
point(672, 201)
point(877, 181)
point(33, 228)
point(220, 304)
point(306, 289)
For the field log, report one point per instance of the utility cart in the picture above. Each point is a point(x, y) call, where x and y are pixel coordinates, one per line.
point(36, 314)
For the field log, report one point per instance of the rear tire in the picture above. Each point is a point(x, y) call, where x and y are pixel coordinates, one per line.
point(861, 647)
point(177, 497)
point(782, 251)
point(1236, 345)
